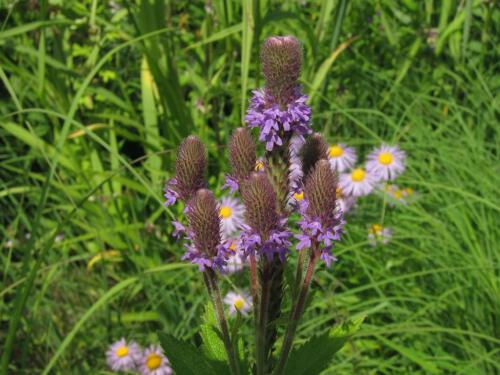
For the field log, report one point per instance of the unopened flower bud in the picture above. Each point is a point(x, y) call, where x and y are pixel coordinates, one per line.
point(204, 220)
point(281, 58)
point(315, 148)
point(320, 190)
point(260, 203)
point(190, 167)
point(242, 154)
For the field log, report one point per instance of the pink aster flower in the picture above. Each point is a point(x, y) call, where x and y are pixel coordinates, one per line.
point(241, 302)
point(231, 214)
point(123, 355)
point(341, 157)
point(358, 182)
point(154, 362)
point(386, 162)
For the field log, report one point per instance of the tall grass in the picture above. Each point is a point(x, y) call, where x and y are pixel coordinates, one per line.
point(96, 96)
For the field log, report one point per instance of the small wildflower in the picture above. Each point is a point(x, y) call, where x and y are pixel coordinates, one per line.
point(241, 302)
point(154, 362)
point(231, 214)
point(379, 234)
point(358, 182)
point(341, 157)
point(123, 355)
point(235, 262)
point(386, 162)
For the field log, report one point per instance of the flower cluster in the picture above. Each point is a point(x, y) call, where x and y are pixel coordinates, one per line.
point(128, 356)
point(295, 195)
point(275, 122)
point(322, 221)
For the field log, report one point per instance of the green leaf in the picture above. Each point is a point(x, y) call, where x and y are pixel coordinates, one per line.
point(315, 355)
point(185, 358)
point(213, 346)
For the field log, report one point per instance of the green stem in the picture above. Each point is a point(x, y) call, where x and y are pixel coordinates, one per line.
point(213, 290)
point(262, 324)
point(296, 314)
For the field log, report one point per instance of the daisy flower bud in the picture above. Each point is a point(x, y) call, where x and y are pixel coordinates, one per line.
point(281, 58)
point(190, 167)
point(242, 154)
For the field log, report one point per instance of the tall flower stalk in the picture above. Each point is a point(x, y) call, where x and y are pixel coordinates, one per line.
point(292, 186)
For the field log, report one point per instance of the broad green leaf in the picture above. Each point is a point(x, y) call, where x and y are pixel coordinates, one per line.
point(315, 355)
point(185, 358)
point(213, 346)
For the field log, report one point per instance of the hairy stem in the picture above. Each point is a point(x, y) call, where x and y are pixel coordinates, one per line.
point(213, 289)
point(295, 315)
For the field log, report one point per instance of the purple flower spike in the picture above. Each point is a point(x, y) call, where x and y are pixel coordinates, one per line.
point(274, 119)
point(322, 221)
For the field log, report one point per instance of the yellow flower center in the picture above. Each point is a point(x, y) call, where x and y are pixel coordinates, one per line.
point(398, 194)
point(232, 247)
point(336, 151)
point(122, 351)
point(376, 228)
point(358, 175)
point(338, 192)
point(153, 361)
point(239, 303)
point(259, 166)
point(385, 158)
point(408, 191)
point(299, 196)
point(225, 212)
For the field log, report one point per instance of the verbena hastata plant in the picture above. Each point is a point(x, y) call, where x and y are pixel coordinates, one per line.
point(291, 210)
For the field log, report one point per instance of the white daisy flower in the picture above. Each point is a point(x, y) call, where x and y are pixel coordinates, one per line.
point(342, 157)
point(357, 183)
point(344, 203)
point(238, 302)
point(386, 162)
point(234, 263)
point(231, 214)
point(154, 362)
point(123, 355)
point(379, 234)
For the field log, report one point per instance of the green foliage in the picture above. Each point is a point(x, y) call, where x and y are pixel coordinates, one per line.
point(185, 358)
point(88, 132)
point(314, 356)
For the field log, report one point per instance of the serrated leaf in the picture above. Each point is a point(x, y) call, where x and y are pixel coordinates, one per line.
point(315, 355)
point(185, 358)
point(213, 346)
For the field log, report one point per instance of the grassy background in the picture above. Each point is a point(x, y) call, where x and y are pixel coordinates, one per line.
point(95, 96)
